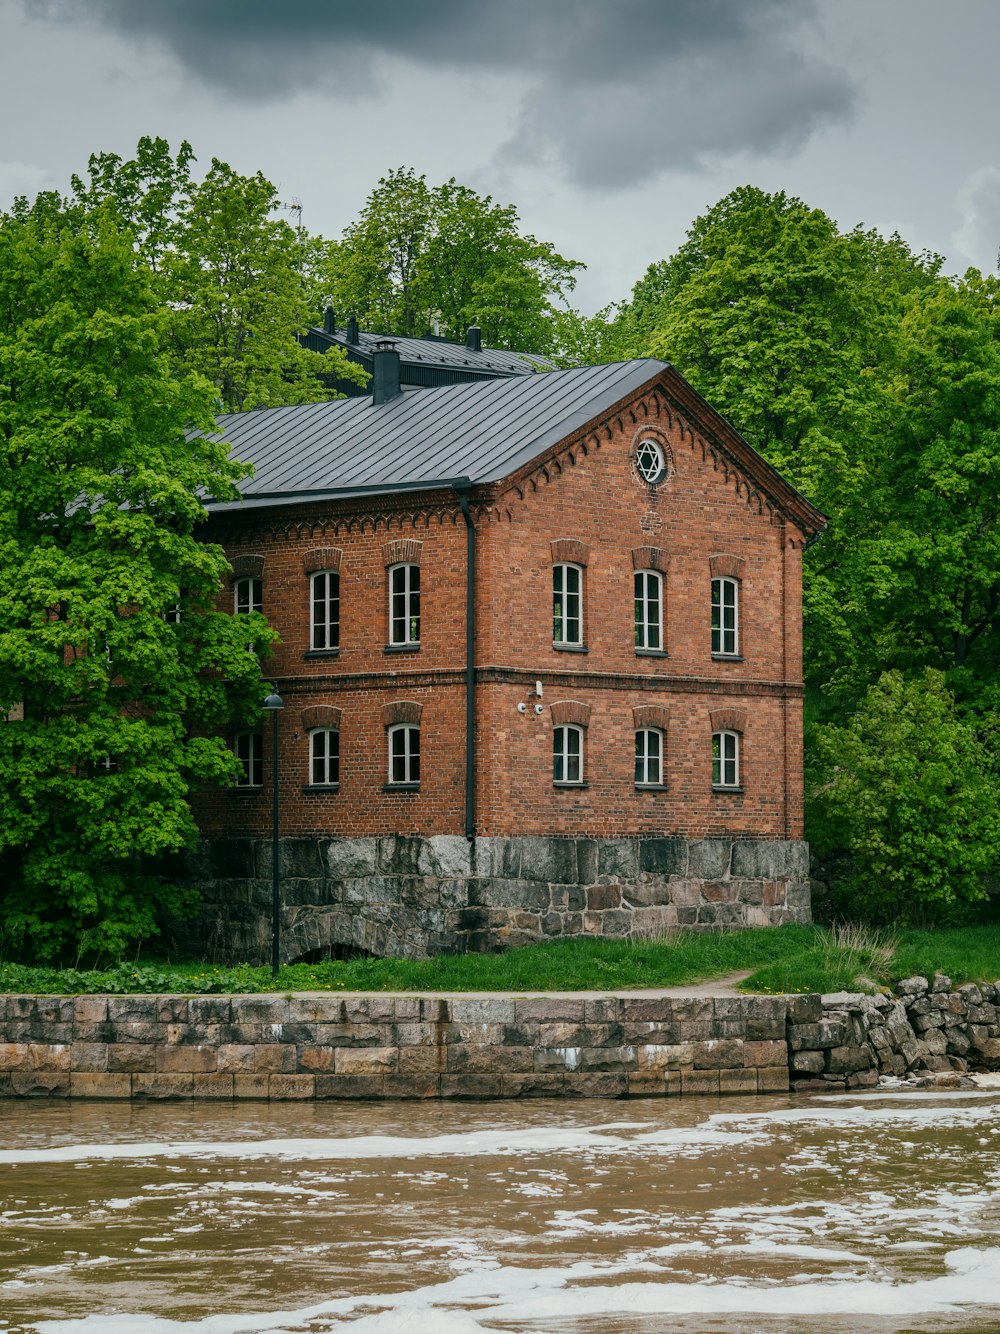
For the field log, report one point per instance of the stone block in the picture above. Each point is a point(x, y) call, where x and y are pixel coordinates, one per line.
point(445, 856)
point(815, 1037)
point(470, 1086)
point(738, 1081)
point(603, 1009)
point(528, 895)
point(367, 1009)
point(719, 891)
point(618, 859)
point(15, 1056)
point(770, 859)
point(315, 1059)
point(90, 1009)
point(411, 1086)
point(718, 1054)
point(549, 859)
point(549, 1009)
point(421, 1060)
point(555, 1058)
point(654, 1010)
point(808, 1062)
point(766, 1053)
point(531, 1086)
point(602, 897)
point(277, 1058)
point(798, 897)
point(497, 857)
point(913, 986)
point(609, 1085)
point(709, 858)
point(475, 1011)
point(291, 1088)
point(664, 856)
point(772, 1079)
point(413, 1035)
point(186, 1060)
point(349, 858)
point(364, 1087)
point(661, 1056)
point(235, 1058)
point(846, 1060)
point(130, 1058)
point(172, 1009)
point(489, 1060)
point(366, 1060)
point(765, 1018)
point(579, 1035)
point(214, 1086)
point(209, 1010)
point(50, 1055)
point(260, 1009)
point(695, 1082)
point(133, 1009)
point(39, 1084)
point(88, 1057)
point(750, 892)
point(137, 1030)
point(650, 1083)
point(89, 1084)
point(613, 1059)
point(250, 1086)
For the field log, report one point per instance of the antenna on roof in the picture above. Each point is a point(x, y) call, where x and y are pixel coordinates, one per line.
point(295, 207)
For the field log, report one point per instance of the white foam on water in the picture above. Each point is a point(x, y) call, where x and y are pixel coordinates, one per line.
point(473, 1302)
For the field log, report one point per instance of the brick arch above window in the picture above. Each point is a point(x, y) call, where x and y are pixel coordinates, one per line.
point(403, 551)
point(322, 558)
point(251, 566)
point(321, 715)
point(402, 711)
point(570, 551)
point(728, 720)
point(650, 558)
point(651, 715)
point(570, 711)
point(725, 566)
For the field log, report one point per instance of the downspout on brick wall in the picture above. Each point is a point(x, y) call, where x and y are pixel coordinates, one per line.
point(463, 488)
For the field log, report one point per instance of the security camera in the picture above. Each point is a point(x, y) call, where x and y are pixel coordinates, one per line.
point(522, 707)
point(539, 709)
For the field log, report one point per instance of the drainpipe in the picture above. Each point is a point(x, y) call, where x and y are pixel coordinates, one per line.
point(462, 487)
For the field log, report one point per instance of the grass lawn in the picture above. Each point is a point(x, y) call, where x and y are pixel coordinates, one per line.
point(788, 958)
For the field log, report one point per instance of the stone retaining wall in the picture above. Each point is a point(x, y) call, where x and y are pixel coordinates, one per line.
point(412, 896)
point(926, 1031)
point(375, 1046)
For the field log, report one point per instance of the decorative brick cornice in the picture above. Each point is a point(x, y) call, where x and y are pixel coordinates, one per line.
point(401, 711)
point(403, 551)
point(321, 715)
point(565, 711)
point(650, 558)
point(651, 715)
point(248, 566)
point(728, 720)
point(322, 558)
point(570, 550)
point(725, 566)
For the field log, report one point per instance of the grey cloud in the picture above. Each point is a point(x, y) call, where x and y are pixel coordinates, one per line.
point(616, 89)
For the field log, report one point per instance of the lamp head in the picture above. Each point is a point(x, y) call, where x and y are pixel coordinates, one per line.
point(274, 701)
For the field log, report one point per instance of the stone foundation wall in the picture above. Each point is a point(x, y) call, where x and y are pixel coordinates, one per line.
point(373, 1046)
point(413, 896)
point(925, 1032)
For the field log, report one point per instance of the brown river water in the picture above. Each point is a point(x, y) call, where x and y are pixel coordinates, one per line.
point(868, 1212)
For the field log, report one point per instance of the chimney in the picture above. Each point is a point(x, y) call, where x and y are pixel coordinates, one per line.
point(329, 320)
point(352, 329)
point(385, 372)
point(474, 338)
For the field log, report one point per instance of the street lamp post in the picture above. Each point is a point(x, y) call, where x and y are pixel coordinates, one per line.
point(274, 704)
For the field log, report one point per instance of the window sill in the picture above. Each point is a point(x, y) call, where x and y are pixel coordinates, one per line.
point(400, 787)
point(723, 790)
point(571, 786)
point(321, 787)
point(570, 648)
point(321, 653)
point(727, 657)
point(651, 653)
point(402, 648)
point(650, 787)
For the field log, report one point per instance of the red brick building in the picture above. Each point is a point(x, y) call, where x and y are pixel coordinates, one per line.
point(541, 664)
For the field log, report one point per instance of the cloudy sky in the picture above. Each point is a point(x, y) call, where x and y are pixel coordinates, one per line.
point(611, 124)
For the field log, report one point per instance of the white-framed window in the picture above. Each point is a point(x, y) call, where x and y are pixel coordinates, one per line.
point(648, 609)
point(567, 754)
point(324, 757)
point(649, 757)
point(248, 594)
point(726, 617)
point(325, 610)
point(649, 461)
point(404, 604)
point(172, 615)
point(404, 753)
point(248, 747)
point(725, 759)
point(567, 604)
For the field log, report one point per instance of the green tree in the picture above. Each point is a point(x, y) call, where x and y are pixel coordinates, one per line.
point(907, 789)
point(108, 701)
point(420, 256)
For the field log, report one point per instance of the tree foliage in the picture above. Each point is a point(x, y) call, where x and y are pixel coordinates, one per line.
point(106, 702)
point(444, 256)
point(906, 788)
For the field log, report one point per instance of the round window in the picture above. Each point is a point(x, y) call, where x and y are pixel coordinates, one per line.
point(649, 461)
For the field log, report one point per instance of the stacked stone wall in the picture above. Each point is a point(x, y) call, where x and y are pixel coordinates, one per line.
point(413, 896)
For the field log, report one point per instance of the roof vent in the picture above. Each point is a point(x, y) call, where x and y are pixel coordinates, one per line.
point(352, 329)
point(385, 372)
point(474, 338)
point(329, 320)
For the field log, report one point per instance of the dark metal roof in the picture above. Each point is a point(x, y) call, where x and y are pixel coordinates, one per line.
point(437, 352)
point(484, 431)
